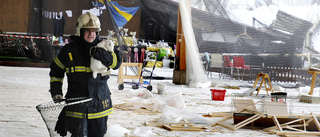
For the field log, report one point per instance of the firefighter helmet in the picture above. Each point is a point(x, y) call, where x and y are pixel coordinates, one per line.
point(89, 21)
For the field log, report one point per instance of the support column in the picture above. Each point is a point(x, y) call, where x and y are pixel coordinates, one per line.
point(179, 73)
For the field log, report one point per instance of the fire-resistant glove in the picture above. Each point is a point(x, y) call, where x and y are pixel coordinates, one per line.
point(57, 98)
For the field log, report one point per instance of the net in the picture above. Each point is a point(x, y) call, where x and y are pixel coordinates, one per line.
point(196, 73)
point(52, 111)
point(271, 36)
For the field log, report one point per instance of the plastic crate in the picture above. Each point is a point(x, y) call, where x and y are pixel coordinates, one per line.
point(217, 94)
point(279, 97)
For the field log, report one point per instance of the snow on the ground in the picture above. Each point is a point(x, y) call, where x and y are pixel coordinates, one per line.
point(23, 88)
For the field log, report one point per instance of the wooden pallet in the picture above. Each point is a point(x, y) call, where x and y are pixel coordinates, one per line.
point(122, 74)
point(189, 127)
point(242, 105)
point(297, 126)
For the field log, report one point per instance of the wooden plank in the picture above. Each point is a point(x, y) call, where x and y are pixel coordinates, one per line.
point(222, 120)
point(179, 46)
point(120, 75)
point(294, 129)
point(131, 64)
point(316, 122)
point(217, 114)
point(133, 106)
point(129, 77)
point(226, 126)
point(180, 43)
point(292, 116)
point(298, 133)
point(188, 127)
point(179, 76)
point(276, 122)
point(314, 76)
point(239, 125)
point(156, 124)
point(248, 120)
point(178, 39)
point(282, 125)
point(304, 125)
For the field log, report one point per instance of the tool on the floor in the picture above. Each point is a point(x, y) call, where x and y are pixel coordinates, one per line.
point(264, 76)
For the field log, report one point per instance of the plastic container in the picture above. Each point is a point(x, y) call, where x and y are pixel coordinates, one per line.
point(161, 88)
point(279, 97)
point(218, 94)
point(166, 63)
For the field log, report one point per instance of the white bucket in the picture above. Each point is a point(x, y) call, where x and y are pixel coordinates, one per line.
point(135, 80)
point(166, 63)
point(161, 88)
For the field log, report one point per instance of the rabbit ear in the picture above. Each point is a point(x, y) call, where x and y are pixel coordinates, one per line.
point(94, 74)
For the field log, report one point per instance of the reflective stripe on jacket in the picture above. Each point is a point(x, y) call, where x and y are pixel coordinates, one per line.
point(89, 115)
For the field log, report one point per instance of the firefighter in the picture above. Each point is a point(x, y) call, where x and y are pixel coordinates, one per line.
point(74, 61)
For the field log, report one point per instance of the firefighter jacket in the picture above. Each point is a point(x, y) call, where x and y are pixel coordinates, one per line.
point(74, 61)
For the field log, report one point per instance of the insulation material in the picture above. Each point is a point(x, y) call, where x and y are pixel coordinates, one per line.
point(195, 72)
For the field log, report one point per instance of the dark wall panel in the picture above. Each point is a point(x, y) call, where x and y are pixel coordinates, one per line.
point(14, 15)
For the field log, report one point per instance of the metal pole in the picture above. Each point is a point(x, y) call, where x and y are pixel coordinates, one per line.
point(115, 27)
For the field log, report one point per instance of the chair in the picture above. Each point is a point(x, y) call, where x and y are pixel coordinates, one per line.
point(227, 65)
point(215, 64)
point(239, 64)
point(216, 60)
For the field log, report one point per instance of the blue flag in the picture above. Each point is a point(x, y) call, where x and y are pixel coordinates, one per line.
point(122, 15)
point(98, 3)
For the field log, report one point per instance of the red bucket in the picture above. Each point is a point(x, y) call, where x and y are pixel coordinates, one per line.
point(217, 94)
